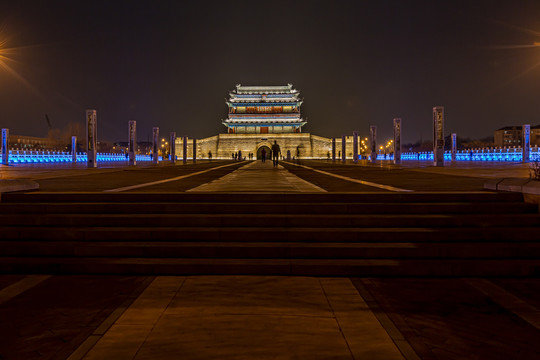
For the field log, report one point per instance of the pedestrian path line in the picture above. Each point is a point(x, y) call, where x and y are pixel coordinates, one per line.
point(258, 177)
point(391, 329)
point(106, 324)
point(9, 292)
point(509, 301)
point(363, 182)
point(127, 188)
point(366, 338)
point(129, 331)
point(225, 178)
point(298, 182)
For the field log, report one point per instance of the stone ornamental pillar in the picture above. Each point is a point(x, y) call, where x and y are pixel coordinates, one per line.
point(172, 147)
point(343, 148)
point(438, 136)
point(355, 146)
point(454, 146)
point(5, 146)
point(132, 142)
point(373, 142)
point(333, 149)
point(526, 143)
point(184, 149)
point(74, 149)
point(155, 145)
point(91, 138)
point(397, 141)
point(194, 150)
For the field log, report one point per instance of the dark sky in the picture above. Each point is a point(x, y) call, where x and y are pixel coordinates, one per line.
point(171, 63)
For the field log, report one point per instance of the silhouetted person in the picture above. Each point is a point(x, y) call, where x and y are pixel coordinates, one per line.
point(210, 155)
point(275, 153)
point(263, 155)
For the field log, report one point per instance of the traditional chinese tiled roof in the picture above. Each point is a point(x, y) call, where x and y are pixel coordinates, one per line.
point(264, 89)
point(260, 104)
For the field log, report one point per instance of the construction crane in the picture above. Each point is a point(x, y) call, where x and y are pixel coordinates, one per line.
point(48, 121)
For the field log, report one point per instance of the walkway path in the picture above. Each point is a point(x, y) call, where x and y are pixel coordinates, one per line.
point(257, 176)
point(243, 317)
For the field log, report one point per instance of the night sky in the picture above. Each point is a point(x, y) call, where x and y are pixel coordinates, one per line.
point(172, 63)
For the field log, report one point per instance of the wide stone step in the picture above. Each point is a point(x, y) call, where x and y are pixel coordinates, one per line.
point(321, 234)
point(367, 197)
point(299, 267)
point(272, 250)
point(269, 208)
point(277, 220)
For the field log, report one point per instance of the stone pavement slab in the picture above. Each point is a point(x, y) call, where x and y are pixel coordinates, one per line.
point(416, 179)
point(247, 317)
point(450, 319)
point(478, 169)
point(18, 185)
point(20, 286)
point(417, 176)
point(512, 184)
point(236, 317)
point(93, 180)
point(257, 176)
point(532, 187)
point(52, 318)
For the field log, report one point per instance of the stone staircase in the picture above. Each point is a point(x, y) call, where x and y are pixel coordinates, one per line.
point(331, 234)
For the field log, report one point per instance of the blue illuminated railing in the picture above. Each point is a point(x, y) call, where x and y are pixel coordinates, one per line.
point(37, 157)
point(489, 154)
point(509, 155)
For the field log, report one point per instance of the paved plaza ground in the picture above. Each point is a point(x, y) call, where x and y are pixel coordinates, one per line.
point(227, 176)
point(267, 317)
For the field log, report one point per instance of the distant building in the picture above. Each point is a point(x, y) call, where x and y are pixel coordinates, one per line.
point(22, 142)
point(511, 136)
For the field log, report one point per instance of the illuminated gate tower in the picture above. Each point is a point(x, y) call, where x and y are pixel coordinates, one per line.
point(264, 110)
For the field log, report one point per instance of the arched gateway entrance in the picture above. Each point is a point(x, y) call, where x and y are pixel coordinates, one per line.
point(259, 152)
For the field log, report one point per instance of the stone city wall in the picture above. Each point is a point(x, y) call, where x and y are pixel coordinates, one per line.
point(300, 145)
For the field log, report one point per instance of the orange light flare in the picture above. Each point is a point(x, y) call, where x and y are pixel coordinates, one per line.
point(7, 59)
point(519, 46)
point(530, 68)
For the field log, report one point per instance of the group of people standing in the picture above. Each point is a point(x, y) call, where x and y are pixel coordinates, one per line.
point(274, 154)
point(238, 156)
